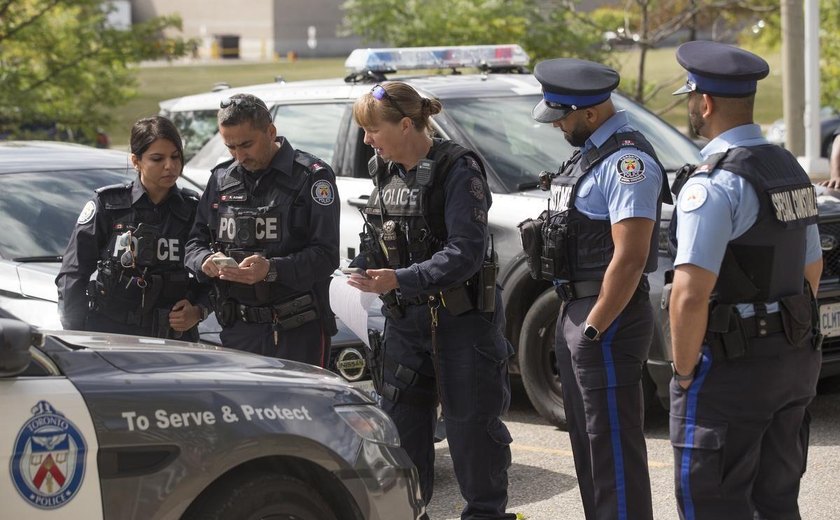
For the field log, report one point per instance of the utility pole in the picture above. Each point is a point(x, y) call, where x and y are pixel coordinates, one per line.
point(793, 74)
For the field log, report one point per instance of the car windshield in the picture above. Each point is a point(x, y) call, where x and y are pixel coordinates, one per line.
point(518, 148)
point(312, 128)
point(196, 127)
point(39, 209)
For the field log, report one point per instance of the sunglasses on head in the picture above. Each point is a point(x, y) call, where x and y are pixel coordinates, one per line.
point(244, 103)
point(379, 93)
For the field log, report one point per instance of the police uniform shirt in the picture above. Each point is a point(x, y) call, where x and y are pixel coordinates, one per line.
point(308, 250)
point(467, 199)
point(721, 208)
point(92, 233)
point(624, 185)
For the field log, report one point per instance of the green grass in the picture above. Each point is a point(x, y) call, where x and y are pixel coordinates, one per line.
point(157, 83)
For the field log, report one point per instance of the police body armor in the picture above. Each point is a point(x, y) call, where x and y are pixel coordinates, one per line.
point(575, 247)
point(259, 222)
point(408, 217)
point(767, 262)
point(143, 260)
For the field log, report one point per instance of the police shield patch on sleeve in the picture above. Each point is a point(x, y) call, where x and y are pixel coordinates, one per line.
point(693, 197)
point(631, 169)
point(323, 193)
point(476, 188)
point(87, 213)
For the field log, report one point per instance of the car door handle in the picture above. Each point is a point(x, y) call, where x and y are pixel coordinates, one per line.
point(359, 202)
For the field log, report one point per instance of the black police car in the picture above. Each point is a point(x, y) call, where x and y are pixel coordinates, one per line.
point(118, 427)
point(489, 111)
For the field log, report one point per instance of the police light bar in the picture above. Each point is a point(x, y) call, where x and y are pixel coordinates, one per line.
point(412, 58)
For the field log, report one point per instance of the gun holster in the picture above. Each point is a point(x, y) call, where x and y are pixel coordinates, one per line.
point(725, 332)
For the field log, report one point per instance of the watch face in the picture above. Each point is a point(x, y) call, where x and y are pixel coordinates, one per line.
point(590, 332)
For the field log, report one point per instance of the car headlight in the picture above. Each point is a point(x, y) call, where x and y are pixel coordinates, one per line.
point(370, 423)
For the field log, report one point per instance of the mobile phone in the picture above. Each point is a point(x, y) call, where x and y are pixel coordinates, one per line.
point(224, 261)
point(355, 270)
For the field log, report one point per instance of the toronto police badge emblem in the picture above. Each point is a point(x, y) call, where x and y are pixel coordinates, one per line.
point(631, 169)
point(323, 193)
point(48, 462)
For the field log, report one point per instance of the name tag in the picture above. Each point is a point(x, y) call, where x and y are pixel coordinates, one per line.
point(791, 205)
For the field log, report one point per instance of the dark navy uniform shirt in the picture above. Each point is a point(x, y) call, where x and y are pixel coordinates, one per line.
point(466, 202)
point(93, 233)
point(308, 251)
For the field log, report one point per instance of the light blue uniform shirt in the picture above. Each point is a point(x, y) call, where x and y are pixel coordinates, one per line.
point(726, 206)
point(624, 185)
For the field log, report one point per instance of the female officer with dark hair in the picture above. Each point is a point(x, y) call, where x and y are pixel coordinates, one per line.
point(425, 248)
point(133, 235)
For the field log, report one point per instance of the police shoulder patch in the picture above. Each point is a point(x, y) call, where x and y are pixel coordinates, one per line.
point(323, 192)
point(692, 197)
point(631, 169)
point(48, 463)
point(476, 188)
point(87, 213)
point(479, 215)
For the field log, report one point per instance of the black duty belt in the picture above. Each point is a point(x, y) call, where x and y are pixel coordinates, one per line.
point(755, 327)
point(588, 288)
point(416, 300)
point(287, 315)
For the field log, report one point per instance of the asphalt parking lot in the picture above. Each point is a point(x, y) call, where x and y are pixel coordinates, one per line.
point(542, 477)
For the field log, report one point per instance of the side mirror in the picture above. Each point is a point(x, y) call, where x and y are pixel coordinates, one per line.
point(15, 340)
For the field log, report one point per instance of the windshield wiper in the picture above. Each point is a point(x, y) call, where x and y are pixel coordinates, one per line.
point(38, 259)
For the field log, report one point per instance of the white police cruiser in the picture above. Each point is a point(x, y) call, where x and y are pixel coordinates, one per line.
point(490, 112)
point(120, 427)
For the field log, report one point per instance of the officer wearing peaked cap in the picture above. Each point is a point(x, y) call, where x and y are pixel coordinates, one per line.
point(597, 243)
point(744, 336)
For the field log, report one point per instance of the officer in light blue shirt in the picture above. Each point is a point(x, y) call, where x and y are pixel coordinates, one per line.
point(597, 246)
point(744, 332)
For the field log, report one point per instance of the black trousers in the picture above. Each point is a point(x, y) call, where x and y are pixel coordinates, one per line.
point(472, 378)
point(740, 432)
point(602, 394)
point(97, 322)
point(307, 343)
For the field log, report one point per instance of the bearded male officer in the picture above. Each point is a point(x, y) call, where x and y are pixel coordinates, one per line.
point(598, 240)
point(746, 356)
point(275, 211)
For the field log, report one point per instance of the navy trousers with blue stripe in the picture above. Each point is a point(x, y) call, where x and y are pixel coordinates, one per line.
point(740, 432)
point(602, 394)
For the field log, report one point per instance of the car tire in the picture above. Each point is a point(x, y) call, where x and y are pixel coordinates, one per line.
point(537, 363)
point(261, 495)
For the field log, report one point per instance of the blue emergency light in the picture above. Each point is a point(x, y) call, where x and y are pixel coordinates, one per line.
point(414, 58)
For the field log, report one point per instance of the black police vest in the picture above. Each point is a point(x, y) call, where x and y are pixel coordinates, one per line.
point(767, 262)
point(408, 214)
point(257, 221)
point(578, 248)
point(147, 244)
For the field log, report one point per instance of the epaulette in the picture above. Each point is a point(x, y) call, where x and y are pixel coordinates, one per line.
point(310, 162)
point(115, 196)
point(111, 187)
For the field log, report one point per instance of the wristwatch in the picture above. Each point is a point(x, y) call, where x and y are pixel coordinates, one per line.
point(679, 377)
point(271, 276)
point(591, 333)
point(204, 311)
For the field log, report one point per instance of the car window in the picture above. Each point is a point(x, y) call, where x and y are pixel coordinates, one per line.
point(312, 128)
point(518, 148)
point(196, 127)
point(38, 210)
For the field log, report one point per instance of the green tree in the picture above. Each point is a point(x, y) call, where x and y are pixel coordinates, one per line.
point(63, 66)
point(768, 35)
point(410, 23)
